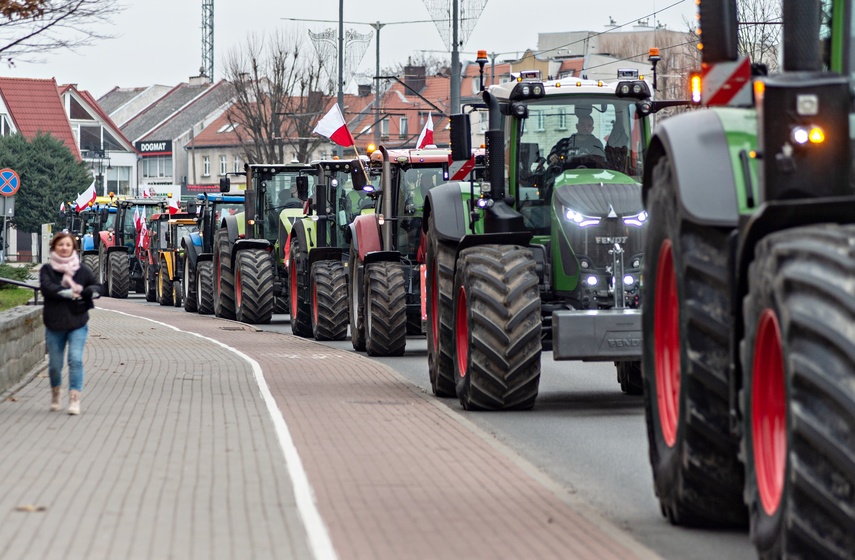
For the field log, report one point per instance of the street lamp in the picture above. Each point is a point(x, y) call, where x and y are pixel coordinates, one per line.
point(99, 155)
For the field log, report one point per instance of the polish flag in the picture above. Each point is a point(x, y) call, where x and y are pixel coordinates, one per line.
point(332, 126)
point(62, 207)
point(173, 206)
point(137, 224)
point(143, 232)
point(426, 137)
point(85, 199)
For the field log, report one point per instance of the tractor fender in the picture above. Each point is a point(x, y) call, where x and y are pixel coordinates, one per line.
point(244, 244)
point(382, 256)
point(449, 217)
point(232, 228)
point(166, 257)
point(298, 231)
point(87, 243)
point(119, 248)
point(365, 234)
point(191, 251)
point(697, 146)
point(325, 254)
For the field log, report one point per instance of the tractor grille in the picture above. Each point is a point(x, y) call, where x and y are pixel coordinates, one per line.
point(595, 242)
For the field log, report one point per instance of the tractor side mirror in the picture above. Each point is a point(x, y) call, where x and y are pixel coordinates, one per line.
point(225, 184)
point(105, 213)
point(191, 207)
point(461, 137)
point(302, 187)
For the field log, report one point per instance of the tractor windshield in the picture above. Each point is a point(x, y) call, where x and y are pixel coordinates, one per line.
point(415, 182)
point(573, 132)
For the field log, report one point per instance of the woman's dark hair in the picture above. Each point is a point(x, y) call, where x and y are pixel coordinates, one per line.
point(61, 235)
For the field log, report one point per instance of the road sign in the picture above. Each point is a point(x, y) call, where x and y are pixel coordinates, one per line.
point(9, 182)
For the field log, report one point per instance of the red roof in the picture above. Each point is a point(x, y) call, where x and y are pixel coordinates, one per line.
point(95, 106)
point(34, 106)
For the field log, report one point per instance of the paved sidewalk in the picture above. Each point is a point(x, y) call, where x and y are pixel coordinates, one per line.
point(177, 455)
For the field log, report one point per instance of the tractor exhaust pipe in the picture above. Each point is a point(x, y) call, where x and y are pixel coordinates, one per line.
point(801, 33)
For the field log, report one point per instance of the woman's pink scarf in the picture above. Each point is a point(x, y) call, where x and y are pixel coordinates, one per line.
point(68, 266)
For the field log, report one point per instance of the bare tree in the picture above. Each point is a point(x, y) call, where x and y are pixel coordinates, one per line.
point(281, 89)
point(759, 30)
point(29, 27)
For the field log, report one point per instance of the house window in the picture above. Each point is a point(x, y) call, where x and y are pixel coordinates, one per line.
point(223, 167)
point(206, 166)
point(237, 168)
point(404, 128)
point(384, 127)
point(562, 119)
point(157, 166)
point(540, 119)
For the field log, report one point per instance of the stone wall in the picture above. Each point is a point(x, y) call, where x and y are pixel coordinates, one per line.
point(22, 343)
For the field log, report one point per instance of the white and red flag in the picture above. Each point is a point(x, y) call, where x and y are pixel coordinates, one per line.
point(332, 126)
point(85, 199)
point(62, 207)
point(173, 206)
point(426, 137)
point(137, 224)
point(143, 232)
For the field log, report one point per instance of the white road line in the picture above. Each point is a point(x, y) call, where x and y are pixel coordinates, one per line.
point(318, 535)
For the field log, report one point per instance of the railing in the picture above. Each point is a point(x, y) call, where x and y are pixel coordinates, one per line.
point(34, 287)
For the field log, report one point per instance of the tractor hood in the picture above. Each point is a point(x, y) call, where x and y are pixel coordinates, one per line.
point(598, 193)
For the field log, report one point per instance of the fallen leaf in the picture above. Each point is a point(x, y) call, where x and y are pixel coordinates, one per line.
point(12, 399)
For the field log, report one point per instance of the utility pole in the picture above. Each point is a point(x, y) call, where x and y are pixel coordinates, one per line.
point(455, 58)
point(208, 38)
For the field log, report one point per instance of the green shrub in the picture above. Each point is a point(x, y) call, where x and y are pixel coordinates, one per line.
point(19, 273)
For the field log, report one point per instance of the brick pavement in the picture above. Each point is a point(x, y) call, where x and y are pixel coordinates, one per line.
point(394, 473)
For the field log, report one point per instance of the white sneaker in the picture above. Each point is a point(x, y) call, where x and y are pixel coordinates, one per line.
point(56, 396)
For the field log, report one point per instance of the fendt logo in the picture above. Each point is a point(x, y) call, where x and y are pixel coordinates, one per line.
point(610, 240)
point(624, 342)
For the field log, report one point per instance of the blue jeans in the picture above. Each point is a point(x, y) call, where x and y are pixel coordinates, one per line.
point(56, 342)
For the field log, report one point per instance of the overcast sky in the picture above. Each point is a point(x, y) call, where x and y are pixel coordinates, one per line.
point(159, 41)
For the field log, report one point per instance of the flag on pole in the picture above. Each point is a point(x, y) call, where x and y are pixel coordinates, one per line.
point(426, 137)
point(332, 126)
point(85, 199)
point(137, 224)
point(62, 207)
point(143, 232)
point(173, 206)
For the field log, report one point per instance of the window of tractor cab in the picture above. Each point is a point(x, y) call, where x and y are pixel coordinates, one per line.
point(280, 191)
point(606, 131)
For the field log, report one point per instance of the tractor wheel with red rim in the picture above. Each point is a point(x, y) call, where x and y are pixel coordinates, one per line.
point(798, 363)
point(497, 326)
point(440, 283)
point(686, 362)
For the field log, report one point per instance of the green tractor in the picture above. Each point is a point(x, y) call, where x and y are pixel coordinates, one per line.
point(749, 311)
point(316, 251)
point(554, 259)
point(249, 247)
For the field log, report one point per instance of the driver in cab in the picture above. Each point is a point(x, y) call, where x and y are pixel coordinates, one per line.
point(582, 143)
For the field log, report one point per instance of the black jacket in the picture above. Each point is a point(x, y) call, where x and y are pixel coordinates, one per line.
point(63, 314)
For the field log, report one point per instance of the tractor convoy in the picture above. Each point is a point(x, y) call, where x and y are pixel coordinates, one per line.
point(709, 259)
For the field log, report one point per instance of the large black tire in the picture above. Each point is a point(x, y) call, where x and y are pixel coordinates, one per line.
point(440, 283)
point(164, 285)
point(119, 275)
point(356, 307)
point(798, 361)
point(280, 304)
point(224, 276)
point(149, 283)
point(188, 283)
point(90, 261)
point(497, 326)
point(629, 377)
point(329, 300)
point(205, 287)
point(254, 286)
point(685, 361)
point(177, 293)
point(301, 307)
point(385, 308)
point(103, 268)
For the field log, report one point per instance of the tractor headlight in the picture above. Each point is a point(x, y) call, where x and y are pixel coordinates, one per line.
point(591, 280)
point(628, 280)
point(580, 219)
point(637, 220)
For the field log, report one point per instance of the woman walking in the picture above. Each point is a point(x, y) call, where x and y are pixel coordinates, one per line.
point(68, 291)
